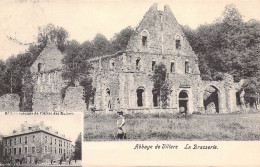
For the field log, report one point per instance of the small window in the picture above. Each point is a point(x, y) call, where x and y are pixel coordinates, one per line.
point(25, 140)
point(144, 38)
point(137, 63)
point(153, 65)
point(39, 67)
point(112, 64)
point(178, 42)
point(187, 67)
point(33, 150)
point(172, 67)
point(25, 150)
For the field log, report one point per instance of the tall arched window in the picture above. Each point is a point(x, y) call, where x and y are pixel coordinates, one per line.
point(39, 67)
point(172, 68)
point(140, 97)
point(187, 67)
point(138, 64)
point(178, 42)
point(144, 37)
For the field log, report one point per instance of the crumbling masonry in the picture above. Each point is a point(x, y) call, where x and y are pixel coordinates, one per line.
point(124, 80)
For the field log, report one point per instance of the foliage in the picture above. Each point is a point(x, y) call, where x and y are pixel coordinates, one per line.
point(77, 69)
point(1, 148)
point(27, 89)
point(101, 45)
point(229, 45)
point(120, 40)
point(57, 34)
point(78, 147)
point(162, 85)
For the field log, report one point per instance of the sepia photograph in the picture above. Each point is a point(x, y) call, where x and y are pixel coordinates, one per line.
point(125, 76)
point(40, 141)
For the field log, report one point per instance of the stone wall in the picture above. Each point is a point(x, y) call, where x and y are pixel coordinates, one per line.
point(74, 100)
point(46, 102)
point(122, 75)
point(9, 102)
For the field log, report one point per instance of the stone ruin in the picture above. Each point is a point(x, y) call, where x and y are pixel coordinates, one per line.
point(9, 102)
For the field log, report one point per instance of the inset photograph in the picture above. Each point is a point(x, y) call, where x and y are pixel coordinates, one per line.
point(40, 141)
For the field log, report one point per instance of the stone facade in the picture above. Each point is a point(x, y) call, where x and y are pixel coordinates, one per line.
point(124, 80)
point(46, 71)
point(36, 143)
point(48, 83)
point(9, 102)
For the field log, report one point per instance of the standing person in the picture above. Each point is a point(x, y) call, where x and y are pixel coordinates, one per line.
point(60, 160)
point(121, 134)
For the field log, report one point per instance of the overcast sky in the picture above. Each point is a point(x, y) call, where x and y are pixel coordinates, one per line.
point(70, 125)
point(20, 19)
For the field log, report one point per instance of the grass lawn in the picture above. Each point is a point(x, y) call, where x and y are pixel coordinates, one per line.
point(234, 126)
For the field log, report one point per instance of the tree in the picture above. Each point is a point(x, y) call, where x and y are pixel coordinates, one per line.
point(55, 33)
point(1, 148)
point(162, 85)
point(120, 40)
point(101, 45)
point(4, 87)
point(78, 148)
point(229, 45)
point(77, 69)
point(27, 89)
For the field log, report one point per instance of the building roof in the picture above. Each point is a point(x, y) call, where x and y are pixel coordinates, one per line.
point(34, 128)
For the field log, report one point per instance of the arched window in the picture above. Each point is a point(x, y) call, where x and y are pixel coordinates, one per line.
point(172, 68)
point(144, 37)
point(138, 64)
point(140, 97)
point(39, 67)
point(156, 95)
point(187, 67)
point(153, 65)
point(178, 42)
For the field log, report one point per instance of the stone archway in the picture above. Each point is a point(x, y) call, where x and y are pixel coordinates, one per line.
point(183, 101)
point(211, 99)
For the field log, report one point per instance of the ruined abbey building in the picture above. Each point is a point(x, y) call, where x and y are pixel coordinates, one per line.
point(124, 80)
point(48, 83)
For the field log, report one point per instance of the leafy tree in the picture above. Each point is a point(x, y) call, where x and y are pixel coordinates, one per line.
point(229, 45)
point(77, 69)
point(101, 45)
point(78, 147)
point(1, 148)
point(27, 89)
point(55, 33)
point(120, 40)
point(162, 85)
point(4, 87)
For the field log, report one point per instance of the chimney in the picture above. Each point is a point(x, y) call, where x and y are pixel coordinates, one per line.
point(14, 132)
